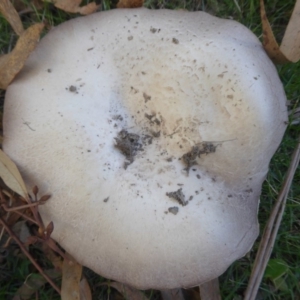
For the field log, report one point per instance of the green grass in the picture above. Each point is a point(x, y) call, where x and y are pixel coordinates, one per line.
point(15, 268)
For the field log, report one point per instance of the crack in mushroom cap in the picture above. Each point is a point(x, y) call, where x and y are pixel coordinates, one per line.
point(178, 79)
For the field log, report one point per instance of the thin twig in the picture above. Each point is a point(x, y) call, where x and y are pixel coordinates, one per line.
point(14, 208)
point(23, 248)
point(270, 232)
point(25, 217)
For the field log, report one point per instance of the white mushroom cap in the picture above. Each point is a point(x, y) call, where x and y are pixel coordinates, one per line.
point(109, 113)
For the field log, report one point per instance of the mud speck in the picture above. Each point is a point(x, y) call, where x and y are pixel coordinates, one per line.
point(190, 158)
point(175, 41)
point(173, 210)
point(153, 30)
point(149, 117)
point(129, 144)
point(208, 147)
point(72, 88)
point(152, 118)
point(106, 199)
point(156, 134)
point(117, 118)
point(146, 97)
point(178, 196)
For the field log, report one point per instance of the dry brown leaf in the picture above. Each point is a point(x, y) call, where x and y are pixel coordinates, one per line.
point(85, 291)
point(71, 275)
point(290, 44)
point(269, 42)
point(73, 6)
point(128, 292)
point(11, 175)
point(12, 63)
point(11, 15)
point(289, 51)
point(130, 3)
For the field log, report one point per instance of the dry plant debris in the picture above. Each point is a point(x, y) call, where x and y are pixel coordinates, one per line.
point(70, 287)
point(11, 175)
point(43, 233)
point(270, 232)
point(130, 3)
point(290, 44)
point(12, 63)
point(11, 15)
point(73, 6)
point(289, 51)
point(12, 208)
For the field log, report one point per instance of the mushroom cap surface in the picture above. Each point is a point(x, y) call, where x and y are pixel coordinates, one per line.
point(153, 131)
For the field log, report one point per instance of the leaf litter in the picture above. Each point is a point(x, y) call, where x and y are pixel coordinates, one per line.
point(12, 63)
point(289, 51)
point(12, 16)
point(74, 6)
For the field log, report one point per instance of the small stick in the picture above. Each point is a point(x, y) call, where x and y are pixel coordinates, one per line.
point(26, 217)
point(23, 248)
point(15, 208)
point(269, 236)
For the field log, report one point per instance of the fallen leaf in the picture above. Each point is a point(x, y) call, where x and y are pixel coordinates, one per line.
point(85, 291)
point(11, 175)
point(130, 3)
point(290, 44)
point(73, 6)
point(289, 51)
point(128, 292)
point(269, 42)
point(71, 275)
point(12, 63)
point(11, 15)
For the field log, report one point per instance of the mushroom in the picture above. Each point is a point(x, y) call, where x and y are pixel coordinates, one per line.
point(153, 131)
